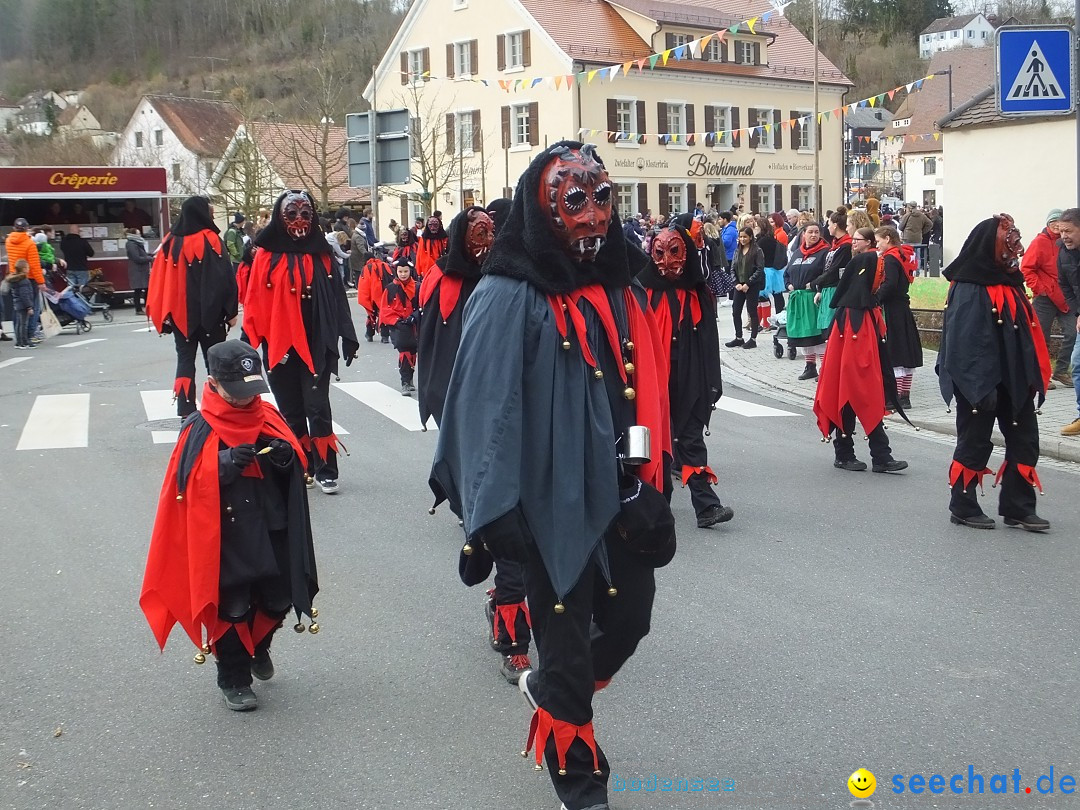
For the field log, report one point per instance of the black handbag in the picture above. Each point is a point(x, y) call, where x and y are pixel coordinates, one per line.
point(645, 525)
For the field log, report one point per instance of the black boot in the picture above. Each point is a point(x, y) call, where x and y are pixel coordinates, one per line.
point(810, 372)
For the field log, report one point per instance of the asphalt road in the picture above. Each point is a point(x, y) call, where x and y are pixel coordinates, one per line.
point(838, 621)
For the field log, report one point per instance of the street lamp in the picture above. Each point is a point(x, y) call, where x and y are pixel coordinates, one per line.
point(946, 72)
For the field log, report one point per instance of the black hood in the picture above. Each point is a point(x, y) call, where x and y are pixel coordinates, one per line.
point(692, 274)
point(457, 261)
point(194, 217)
point(526, 247)
point(276, 239)
point(975, 263)
point(855, 289)
point(499, 210)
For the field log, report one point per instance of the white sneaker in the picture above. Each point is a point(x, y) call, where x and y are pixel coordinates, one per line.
point(523, 685)
point(329, 486)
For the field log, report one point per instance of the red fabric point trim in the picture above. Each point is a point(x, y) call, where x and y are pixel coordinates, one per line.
point(543, 725)
point(599, 686)
point(508, 614)
point(323, 444)
point(688, 472)
point(183, 385)
point(958, 472)
point(1030, 476)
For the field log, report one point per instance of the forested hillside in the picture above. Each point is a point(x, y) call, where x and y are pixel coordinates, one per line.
point(277, 54)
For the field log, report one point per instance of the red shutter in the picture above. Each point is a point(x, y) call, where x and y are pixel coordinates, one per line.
point(642, 198)
point(690, 127)
point(477, 133)
point(778, 131)
point(735, 137)
point(640, 105)
point(404, 67)
point(612, 119)
point(450, 133)
point(427, 64)
point(500, 50)
point(450, 60)
point(710, 125)
point(506, 128)
point(526, 49)
point(534, 124)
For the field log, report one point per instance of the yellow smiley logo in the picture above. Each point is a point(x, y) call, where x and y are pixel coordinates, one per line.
point(862, 784)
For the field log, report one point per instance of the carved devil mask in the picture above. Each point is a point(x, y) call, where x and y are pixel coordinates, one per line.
point(577, 193)
point(434, 224)
point(297, 212)
point(1008, 248)
point(479, 235)
point(403, 237)
point(669, 253)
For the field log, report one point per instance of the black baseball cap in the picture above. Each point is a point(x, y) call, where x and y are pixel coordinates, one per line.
point(237, 368)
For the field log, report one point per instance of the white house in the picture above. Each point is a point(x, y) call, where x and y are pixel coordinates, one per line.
point(187, 136)
point(946, 33)
point(38, 110)
point(9, 110)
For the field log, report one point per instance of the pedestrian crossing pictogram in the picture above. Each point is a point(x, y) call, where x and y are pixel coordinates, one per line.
point(1036, 79)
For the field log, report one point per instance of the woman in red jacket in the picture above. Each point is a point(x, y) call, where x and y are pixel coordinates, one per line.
point(1040, 270)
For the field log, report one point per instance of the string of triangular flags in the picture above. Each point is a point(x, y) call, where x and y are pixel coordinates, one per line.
point(925, 136)
point(691, 138)
point(692, 49)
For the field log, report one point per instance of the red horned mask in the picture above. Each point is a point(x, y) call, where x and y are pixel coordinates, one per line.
point(668, 251)
point(479, 235)
point(575, 189)
point(434, 225)
point(297, 212)
point(1008, 247)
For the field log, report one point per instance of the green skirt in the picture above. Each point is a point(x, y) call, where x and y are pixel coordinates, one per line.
point(825, 312)
point(802, 315)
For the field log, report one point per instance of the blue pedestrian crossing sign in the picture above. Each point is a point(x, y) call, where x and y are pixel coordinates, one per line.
point(1035, 70)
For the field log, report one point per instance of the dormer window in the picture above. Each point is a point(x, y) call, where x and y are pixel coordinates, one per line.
point(744, 52)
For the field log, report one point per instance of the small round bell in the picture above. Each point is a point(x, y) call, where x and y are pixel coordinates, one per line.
point(598, 772)
point(314, 628)
point(824, 439)
point(855, 337)
point(299, 627)
point(612, 591)
point(629, 393)
point(560, 608)
point(994, 310)
point(467, 550)
point(566, 345)
point(598, 374)
point(562, 771)
point(843, 435)
point(314, 613)
point(629, 368)
point(307, 288)
point(206, 649)
point(974, 411)
point(179, 497)
point(1000, 322)
point(228, 509)
point(200, 658)
point(292, 289)
point(269, 285)
point(431, 511)
point(444, 323)
point(629, 346)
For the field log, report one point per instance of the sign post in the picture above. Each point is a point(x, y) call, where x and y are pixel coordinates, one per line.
point(378, 150)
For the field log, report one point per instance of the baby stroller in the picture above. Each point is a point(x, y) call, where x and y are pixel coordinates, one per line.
point(779, 321)
point(70, 306)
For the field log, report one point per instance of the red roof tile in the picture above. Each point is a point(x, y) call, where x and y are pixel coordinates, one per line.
point(295, 153)
point(204, 127)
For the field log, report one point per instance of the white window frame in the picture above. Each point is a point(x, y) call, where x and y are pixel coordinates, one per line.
point(678, 40)
point(138, 139)
point(416, 65)
point(176, 172)
point(805, 130)
point(744, 52)
point(627, 142)
point(512, 65)
point(929, 166)
point(804, 196)
point(629, 191)
point(955, 34)
point(159, 137)
point(676, 191)
point(723, 142)
point(461, 49)
point(764, 203)
point(417, 211)
point(519, 116)
point(712, 50)
point(763, 135)
point(681, 129)
point(463, 124)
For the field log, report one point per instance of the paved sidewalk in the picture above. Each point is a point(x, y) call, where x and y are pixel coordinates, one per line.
point(928, 410)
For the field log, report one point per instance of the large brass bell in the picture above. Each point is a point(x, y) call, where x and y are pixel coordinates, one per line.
point(629, 368)
point(314, 613)
point(612, 591)
point(538, 767)
point(299, 627)
point(629, 393)
point(629, 346)
point(560, 607)
point(598, 374)
point(200, 658)
point(314, 628)
point(467, 550)
point(566, 345)
point(206, 649)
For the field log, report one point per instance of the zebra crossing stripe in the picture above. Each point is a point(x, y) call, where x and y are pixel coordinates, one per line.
point(12, 361)
point(57, 421)
point(387, 401)
point(80, 343)
point(338, 429)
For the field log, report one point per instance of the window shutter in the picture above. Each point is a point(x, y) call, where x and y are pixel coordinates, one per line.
point(724, 50)
point(778, 132)
point(642, 198)
point(477, 133)
point(414, 137)
point(757, 53)
point(404, 67)
point(778, 198)
point(669, 41)
point(474, 57)
point(640, 106)
point(534, 124)
point(505, 127)
point(710, 125)
point(450, 133)
point(500, 50)
point(404, 212)
point(427, 64)
point(665, 195)
point(526, 49)
point(796, 129)
point(612, 119)
point(751, 120)
point(661, 117)
point(691, 196)
point(450, 60)
point(690, 128)
point(794, 196)
point(819, 135)
point(735, 126)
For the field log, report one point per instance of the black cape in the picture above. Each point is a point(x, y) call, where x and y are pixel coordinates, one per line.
point(440, 331)
point(905, 346)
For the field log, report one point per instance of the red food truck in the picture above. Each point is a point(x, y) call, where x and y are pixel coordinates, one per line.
point(102, 200)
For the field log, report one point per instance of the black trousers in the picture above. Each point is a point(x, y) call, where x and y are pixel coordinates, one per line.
point(588, 642)
point(973, 448)
point(690, 450)
point(233, 661)
point(844, 443)
point(304, 401)
point(139, 298)
point(748, 299)
point(186, 350)
point(510, 590)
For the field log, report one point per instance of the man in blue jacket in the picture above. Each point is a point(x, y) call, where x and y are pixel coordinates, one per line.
point(729, 234)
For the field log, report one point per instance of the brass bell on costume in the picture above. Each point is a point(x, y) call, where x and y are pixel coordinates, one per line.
point(629, 368)
point(562, 771)
point(200, 658)
point(560, 607)
point(612, 591)
point(314, 613)
point(598, 374)
point(206, 649)
point(566, 345)
point(538, 767)
point(179, 497)
point(314, 628)
point(467, 550)
point(299, 627)
point(629, 346)
point(629, 393)
point(292, 289)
